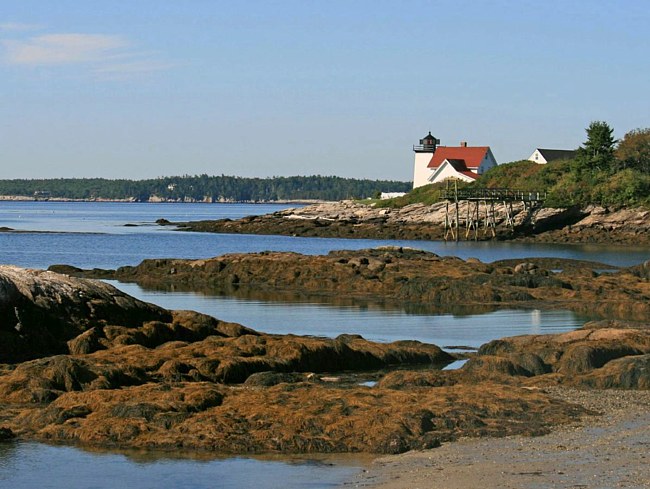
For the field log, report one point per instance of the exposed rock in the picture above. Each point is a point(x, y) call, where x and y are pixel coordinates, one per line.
point(525, 267)
point(65, 269)
point(139, 376)
point(6, 434)
point(592, 357)
point(630, 372)
point(41, 311)
point(185, 380)
point(348, 219)
point(520, 364)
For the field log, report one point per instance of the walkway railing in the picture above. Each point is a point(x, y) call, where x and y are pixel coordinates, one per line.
point(424, 148)
point(496, 194)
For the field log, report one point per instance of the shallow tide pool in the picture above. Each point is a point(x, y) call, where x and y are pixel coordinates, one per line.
point(37, 465)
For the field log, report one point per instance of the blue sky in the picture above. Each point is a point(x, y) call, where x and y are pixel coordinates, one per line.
point(148, 88)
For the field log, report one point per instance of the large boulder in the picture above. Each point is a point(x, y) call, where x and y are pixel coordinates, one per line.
point(632, 372)
point(41, 311)
point(598, 355)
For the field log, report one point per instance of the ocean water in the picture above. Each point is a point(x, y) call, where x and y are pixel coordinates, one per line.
point(109, 235)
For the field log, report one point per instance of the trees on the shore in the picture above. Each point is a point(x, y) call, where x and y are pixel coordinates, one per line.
point(204, 188)
point(633, 151)
point(602, 153)
point(603, 172)
point(597, 153)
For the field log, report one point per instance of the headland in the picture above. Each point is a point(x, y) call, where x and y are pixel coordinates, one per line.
point(419, 221)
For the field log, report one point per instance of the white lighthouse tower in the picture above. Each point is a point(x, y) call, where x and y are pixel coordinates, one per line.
point(423, 154)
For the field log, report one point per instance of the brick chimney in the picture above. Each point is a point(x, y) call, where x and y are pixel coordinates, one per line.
point(463, 144)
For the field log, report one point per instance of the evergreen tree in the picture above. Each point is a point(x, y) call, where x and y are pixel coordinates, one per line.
point(597, 153)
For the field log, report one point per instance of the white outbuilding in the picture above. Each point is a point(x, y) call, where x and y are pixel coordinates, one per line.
point(543, 156)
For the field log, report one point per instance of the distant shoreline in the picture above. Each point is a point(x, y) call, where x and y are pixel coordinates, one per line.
point(21, 198)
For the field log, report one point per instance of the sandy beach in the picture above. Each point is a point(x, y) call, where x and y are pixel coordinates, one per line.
point(608, 450)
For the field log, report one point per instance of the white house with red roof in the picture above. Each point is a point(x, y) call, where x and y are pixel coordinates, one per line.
point(435, 163)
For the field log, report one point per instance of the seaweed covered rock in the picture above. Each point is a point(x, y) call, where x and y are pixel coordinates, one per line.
point(407, 276)
point(130, 374)
point(595, 356)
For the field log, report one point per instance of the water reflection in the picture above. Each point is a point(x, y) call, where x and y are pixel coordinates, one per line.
point(536, 321)
point(7, 457)
point(288, 297)
point(374, 321)
point(30, 465)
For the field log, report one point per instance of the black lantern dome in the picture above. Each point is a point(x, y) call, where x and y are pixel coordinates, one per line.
point(427, 144)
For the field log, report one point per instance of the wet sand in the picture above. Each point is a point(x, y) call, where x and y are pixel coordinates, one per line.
point(610, 450)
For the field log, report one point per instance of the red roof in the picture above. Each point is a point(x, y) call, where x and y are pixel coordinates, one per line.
point(472, 155)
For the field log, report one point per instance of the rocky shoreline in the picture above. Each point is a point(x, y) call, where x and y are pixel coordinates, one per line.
point(406, 277)
point(85, 363)
point(349, 219)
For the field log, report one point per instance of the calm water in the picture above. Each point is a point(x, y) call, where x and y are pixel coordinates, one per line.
point(373, 322)
point(117, 217)
point(92, 235)
point(119, 245)
point(34, 465)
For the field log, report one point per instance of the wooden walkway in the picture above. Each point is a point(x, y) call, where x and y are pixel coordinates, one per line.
point(493, 194)
point(482, 207)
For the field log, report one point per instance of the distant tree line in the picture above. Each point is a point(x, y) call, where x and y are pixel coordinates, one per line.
point(203, 188)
